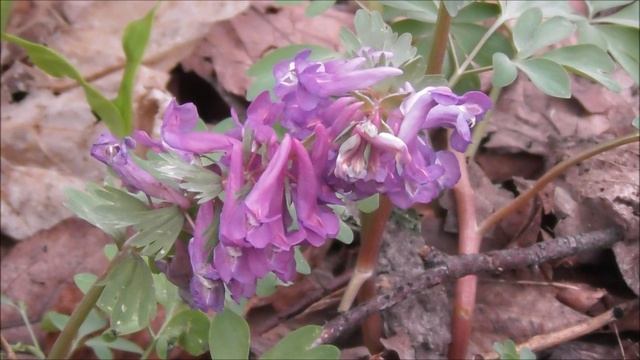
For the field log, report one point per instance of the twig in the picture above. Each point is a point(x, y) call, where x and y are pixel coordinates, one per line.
point(468, 243)
point(554, 172)
point(7, 348)
point(457, 266)
point(545, 341)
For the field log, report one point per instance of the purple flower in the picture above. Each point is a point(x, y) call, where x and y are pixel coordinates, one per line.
point(178, 131)
point(306, 82)
point(207, 290)
point(115, 154)
point(439, 107)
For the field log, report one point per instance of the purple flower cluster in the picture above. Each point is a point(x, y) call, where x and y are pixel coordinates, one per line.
point(343, 140)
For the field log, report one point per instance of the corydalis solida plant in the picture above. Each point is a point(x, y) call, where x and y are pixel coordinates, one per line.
point(350, 132)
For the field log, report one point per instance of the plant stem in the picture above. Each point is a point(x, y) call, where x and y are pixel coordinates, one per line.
point(371, 238)
point(468, 243)
point(25, 318)
point(7, 349)
point(477, 70)
point(481, 128)
point(440, 40)
point(62, 346)
point(456, 76)
point(554, 172)
point(167, 319)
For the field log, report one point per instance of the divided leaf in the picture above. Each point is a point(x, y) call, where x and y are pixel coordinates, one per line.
point(129, 295)
point(586, 60)
point(190, 328)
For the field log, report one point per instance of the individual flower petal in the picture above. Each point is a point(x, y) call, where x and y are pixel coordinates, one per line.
point(115, 154)
point(178, 131)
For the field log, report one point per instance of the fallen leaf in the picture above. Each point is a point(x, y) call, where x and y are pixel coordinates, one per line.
point(401, 344)
point(38, 269)
point(517, 312)
point(232, 46)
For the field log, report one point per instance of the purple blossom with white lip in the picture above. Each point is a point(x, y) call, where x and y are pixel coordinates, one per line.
point(115, 154)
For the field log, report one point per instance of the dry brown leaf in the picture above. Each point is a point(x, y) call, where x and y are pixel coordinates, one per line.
point(525, 120)
point(401, 344)
point(90, 33)
point(517, 312)
point(45, 148)
point(38, 269)
point(232, 46)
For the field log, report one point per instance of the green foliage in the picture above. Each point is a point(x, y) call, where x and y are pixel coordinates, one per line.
point(5, 12)
point(317, 7)
point(454, 6)
point(116, 114)
point(302, 266)
point(504, 71)
point(547, 76)
point(267, 285)
point(425, 11)
point(84, 281)
point(636, 123)
point(168, 167)
point(56, 65)
point(229, 336)
point(370, 204)
point(586, 60)
point(596, 6)
point(298, 345)
point(189, 329)
point(627, 16)
point(372, 31)
point(113, 210)
point(262, 70)
point(129, 295)
point(346, 233)
point(508, 351)
point(134, 42)
point(102, 346)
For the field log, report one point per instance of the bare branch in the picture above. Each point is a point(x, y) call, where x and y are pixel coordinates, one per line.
point(450, 267)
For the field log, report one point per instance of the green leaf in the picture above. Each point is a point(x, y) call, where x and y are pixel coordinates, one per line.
point(596, 6)
point(108, 208)
point(506, 350)
point(223, 125)
point(5, 12)
point(513, 9)
point(229, 336)
point(191, 329)
point(586, 60)
point(84, 281)
point(426, 11)
point(525, 27)
point(530, 36)
point(369, 204)
point(171, 169)
point(548, 76)
point(54, 321)
point(624, 45)
point(527, 354)
point(167, 294)
point(476, 12)
point(134, 43)
point(454, 6)
point(317, 7)
point(467, 82)
point(56, 65)
point(589, 34)
point(467, 37)
point(302, 266)
point(129, 295)
point(267, 285)
point(298, 345)
point(504, 71)
point(262, 70)
point(102, 347)
point(158, 230)
point(5, 300)
point(110, 251)
point(628, 16)
point(346, 234)
point(636, 122)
